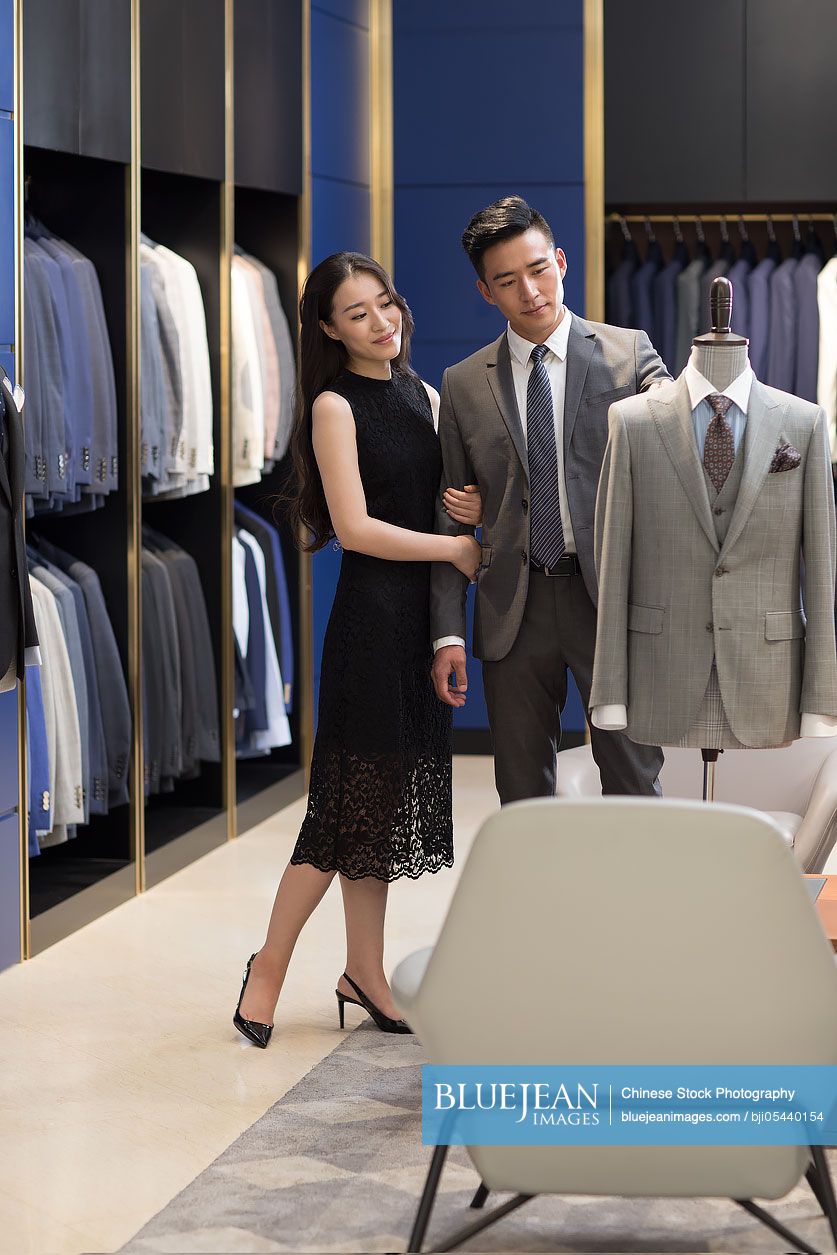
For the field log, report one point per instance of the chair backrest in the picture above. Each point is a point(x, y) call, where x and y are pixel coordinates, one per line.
point(772, 780)
point(628, 931)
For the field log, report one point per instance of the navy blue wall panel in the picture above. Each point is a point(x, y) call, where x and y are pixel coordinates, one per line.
point(7, 56)
point(339, 190)
point(339, 100)
point(10, 881)
point(341, 218)
point(354, 11)
point(7, 232)
point(488, 102)
point(8, 752)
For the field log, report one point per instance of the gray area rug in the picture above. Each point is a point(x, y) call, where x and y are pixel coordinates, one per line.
point(338, 1165)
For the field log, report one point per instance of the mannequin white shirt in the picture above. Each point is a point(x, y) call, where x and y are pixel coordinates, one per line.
point(615, 718)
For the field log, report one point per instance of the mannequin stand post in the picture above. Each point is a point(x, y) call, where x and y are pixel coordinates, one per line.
point(710, 758)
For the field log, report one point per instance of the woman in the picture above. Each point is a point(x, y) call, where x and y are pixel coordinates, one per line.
point(367, 466)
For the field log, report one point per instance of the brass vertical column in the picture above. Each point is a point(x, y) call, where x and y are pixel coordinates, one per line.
point(305, 686)
point(382, 232)
point(133, 483)
point(225, 468)
point(594, 259)
point(22, 765)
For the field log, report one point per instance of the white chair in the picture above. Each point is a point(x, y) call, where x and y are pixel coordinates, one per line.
point(627, 931)
point(796, 786)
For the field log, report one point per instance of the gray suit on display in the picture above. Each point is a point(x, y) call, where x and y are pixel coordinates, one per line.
point(528, 630)
point(676, 591)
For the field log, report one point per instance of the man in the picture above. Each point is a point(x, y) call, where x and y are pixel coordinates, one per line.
point(526, 419)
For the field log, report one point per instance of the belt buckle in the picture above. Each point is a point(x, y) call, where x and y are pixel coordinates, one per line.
point(556, 571)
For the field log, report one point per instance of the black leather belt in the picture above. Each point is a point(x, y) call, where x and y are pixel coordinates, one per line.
point(568, 565)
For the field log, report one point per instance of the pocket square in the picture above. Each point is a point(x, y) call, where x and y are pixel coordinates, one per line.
point(786, 458)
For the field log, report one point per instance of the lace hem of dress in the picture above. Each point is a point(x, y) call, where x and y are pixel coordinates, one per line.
point(430, 869)
point(377, 816)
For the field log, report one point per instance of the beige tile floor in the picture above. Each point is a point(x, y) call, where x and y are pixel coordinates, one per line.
point(121, 1076)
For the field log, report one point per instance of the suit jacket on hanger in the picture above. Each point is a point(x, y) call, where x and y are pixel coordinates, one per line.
point(17, 622)
point(827, 364)
point(672, 596)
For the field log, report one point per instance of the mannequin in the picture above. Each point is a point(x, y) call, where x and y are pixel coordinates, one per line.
point(719, 362)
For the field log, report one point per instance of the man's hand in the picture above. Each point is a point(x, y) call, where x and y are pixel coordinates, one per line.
point(447, 659)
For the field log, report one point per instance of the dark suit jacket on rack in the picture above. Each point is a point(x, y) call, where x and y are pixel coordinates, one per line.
point(17, 621)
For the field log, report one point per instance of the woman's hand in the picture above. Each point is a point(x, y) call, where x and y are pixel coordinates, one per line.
point(464, 507)
point(468, 556)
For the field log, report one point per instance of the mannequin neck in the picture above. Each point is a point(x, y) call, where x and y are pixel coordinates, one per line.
point(720, 363)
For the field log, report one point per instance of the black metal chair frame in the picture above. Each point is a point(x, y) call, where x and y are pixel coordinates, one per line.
point(817, 1176)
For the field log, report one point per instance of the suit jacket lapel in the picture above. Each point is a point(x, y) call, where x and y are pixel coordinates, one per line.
point(580, 346)
point(673, 416)
point(761, 436)
point(499, 372)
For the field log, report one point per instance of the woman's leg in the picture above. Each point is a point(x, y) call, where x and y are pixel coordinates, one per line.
point(364, 905)
point(300, 892)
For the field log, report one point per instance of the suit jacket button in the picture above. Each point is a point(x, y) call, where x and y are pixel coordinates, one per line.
point(524, 558)
point(721, 570)
point(710, 626)
point(719, 509)
point(525, 505)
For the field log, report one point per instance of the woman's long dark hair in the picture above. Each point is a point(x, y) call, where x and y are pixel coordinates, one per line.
point(321, 360)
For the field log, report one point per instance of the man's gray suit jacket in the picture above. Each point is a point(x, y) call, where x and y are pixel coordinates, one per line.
point(671, 597)
point(483, 443)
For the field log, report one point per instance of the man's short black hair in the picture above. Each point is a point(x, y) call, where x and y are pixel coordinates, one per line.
point(502, 220)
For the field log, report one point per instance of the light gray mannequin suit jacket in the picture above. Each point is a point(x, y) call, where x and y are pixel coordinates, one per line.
point(483, 443)
point(671, 597)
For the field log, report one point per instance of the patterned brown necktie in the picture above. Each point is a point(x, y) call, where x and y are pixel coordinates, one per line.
point(719, 447)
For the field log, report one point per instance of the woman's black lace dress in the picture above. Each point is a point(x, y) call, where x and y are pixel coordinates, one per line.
point(380, 798)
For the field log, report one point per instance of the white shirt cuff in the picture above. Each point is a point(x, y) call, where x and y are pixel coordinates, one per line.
point(447, 640)
point(610, 718)
point(818, 725)
point(32, 656)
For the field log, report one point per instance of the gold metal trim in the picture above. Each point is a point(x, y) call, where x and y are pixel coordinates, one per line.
point(22, 765)
point(305, 686)
point(228, 797)
point(594, 249)
point(133, 483)
point(381, 191)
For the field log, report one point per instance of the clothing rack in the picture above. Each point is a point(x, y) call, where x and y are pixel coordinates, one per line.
point(197, 187)
point(723, 217)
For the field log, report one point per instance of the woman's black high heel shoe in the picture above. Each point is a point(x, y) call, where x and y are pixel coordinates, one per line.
point(384, 1022)
point(258, 1034)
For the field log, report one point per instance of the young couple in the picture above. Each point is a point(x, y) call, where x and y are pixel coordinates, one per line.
point(516, 444)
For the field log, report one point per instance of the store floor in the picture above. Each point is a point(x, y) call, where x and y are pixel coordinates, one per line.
point(122, 1077)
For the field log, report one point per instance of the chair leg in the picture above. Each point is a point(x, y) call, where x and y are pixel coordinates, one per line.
point(816, 1189)
point(472, 1230)
point(827, 1201)
point(428, 1198)
point(776, 1225)
point(481, 1195)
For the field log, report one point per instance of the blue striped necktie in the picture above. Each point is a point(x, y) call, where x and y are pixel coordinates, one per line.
point(546, 531)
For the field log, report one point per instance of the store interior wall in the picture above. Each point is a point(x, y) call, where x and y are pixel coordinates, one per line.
point(340, 192)
point(9, 831)
point(487, 103)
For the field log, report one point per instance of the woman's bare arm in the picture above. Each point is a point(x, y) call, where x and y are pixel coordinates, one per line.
point(335, 448)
